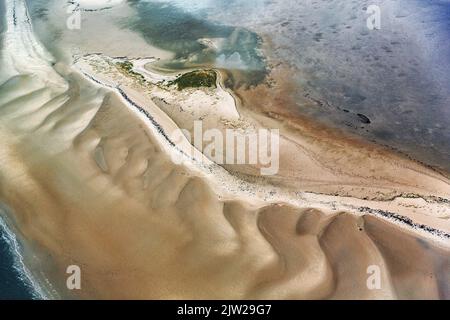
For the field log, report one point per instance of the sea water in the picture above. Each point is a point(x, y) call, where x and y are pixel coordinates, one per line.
point(15, 280)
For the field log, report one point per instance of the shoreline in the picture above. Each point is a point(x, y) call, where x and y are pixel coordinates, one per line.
point(37, 284)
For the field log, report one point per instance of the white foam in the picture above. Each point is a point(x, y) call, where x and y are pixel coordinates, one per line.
point(24, 273)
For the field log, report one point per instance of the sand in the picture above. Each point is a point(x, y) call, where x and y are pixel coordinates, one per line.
point(90, 181)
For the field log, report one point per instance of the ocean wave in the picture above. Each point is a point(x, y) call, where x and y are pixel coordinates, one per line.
point(23, 273)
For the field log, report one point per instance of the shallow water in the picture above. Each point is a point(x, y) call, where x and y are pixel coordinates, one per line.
point(397, 77)
point(172, 28)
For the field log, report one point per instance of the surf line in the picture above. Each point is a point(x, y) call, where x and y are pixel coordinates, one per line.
point(19, 265)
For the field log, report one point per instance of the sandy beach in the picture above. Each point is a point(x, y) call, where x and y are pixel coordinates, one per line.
point(86, 166)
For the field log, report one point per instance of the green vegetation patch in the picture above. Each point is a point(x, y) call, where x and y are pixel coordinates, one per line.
point(196, 79)
point(127, 68)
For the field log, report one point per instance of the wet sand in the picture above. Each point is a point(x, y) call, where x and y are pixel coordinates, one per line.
point(88, 172)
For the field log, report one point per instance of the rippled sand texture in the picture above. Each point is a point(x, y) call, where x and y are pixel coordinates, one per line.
point(91, 183)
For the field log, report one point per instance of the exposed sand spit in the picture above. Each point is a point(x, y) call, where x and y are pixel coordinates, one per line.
point(311, 161)
point(91, 182)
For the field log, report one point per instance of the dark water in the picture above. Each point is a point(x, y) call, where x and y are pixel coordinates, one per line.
point(13, 284)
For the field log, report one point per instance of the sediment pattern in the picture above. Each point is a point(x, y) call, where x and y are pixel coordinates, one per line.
point(91, 183)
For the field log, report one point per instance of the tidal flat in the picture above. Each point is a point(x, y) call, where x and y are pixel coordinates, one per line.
point(87, 160)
